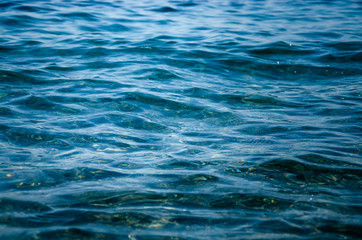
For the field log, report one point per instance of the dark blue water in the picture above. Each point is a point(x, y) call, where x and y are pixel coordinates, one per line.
point(180, 119)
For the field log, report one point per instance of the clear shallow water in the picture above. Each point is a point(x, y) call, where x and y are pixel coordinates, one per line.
point(180, 120)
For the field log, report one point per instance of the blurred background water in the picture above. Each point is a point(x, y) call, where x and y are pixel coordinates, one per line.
point(174, 119)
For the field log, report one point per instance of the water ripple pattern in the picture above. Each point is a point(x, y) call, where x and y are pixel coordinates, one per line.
point(180, 119)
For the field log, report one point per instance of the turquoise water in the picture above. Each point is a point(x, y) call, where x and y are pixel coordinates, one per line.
point(180, 119)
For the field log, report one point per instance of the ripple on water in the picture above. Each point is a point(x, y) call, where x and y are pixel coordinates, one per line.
point(180, 120)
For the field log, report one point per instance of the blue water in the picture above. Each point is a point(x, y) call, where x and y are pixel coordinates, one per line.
point(173, 119)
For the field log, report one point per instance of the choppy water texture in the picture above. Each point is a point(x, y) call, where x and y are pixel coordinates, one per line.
point(180, 119)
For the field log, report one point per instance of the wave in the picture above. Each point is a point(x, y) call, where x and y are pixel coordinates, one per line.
point(180, 120)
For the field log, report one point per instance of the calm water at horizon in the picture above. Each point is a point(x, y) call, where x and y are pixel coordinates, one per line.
point(173, 119)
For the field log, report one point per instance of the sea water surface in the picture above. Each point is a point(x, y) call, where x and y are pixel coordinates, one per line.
point(172, 119)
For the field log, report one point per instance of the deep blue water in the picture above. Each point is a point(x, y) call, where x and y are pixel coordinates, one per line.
point(180, 119)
